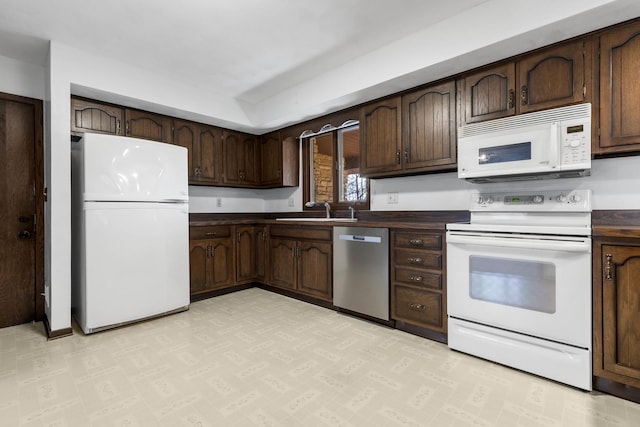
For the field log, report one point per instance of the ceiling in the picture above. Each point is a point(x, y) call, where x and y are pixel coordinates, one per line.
point(255, 51)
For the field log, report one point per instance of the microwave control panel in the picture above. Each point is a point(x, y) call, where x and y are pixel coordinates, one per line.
point(575, 145)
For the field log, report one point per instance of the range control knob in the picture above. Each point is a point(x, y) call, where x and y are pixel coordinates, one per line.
point(538, 199)
point(480, 200)
point(561, 198)
point(575, 198)
point(490, 200)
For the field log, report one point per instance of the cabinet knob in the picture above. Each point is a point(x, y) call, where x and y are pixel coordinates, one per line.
point(417, 307)
point(524, 95)
point(511, 99)
point(608, 267)
point(416, 242)
point(417, 279)
point(210, 234)
point(398, 157)
point(415, 260)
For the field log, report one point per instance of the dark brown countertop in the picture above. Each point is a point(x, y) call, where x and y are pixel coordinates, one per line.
point(616, 223)
point(417, 220)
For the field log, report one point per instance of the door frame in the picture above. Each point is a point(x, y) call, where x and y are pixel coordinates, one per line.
point(40, 199)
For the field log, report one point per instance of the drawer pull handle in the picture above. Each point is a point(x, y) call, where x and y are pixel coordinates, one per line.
point(608, 268)
point(416, 278)
point(415, 260)
point(209, 234)
point(416, 242)
point(417, 307)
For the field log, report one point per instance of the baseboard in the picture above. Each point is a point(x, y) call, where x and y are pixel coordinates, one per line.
point(58, 333)
point(617, 389)
point(422, 332)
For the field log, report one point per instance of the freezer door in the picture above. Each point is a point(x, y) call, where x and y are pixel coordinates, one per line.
point(116, 168)
point(136, 261)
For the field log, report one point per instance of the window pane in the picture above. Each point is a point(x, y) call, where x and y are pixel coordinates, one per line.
point(322, 161)
point(353, 187)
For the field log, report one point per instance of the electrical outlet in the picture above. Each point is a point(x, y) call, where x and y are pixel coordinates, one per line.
point(392, 198)
point(291, 203)
point(219, 202)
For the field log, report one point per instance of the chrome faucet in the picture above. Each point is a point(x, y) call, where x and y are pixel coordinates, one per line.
point(353, 211)
point(316, 204)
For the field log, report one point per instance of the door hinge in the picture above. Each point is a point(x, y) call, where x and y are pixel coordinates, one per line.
point(584, 92)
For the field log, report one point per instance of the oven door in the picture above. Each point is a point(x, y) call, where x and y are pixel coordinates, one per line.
point(534, 285)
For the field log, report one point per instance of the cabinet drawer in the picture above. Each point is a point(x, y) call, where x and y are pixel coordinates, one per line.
point(421, 308)
point(418, 278)
point(418, 259)
point(417, 240)
point(303, 233)
point(209, 232)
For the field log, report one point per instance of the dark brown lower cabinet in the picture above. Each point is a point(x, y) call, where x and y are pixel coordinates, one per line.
point(211, 258)
point(301, 260)
point(616, 310)
point(418, 299)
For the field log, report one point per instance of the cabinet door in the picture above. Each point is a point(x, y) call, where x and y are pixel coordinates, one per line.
point(284, 262)
point(619, 89)
point(245, 258)
point(184, 134)
point(381, 138)
point(198, 266)
point(87, 116)
point(271, 160)
point(145, 125)
point(221, 263)
point(209, 147)
point(554, 77)
point(261, 254)
point(315, 269)
point(489, 94)
point(240, 155)
point(621, 311)
point(429, 131)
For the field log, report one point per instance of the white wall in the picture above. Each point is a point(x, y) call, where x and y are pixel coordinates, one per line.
point(615, 184)
point(21, 78)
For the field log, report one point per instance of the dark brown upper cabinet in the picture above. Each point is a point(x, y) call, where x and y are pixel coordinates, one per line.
point(95, 117)
point(279, 160)
point(240, 159)
point(553, 77)
point(204, 143)
point(619, 90)
point(381, 137)
point(429, 128)
point(145, 125)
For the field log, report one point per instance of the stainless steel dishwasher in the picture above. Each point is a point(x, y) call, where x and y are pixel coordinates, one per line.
point(361, 270)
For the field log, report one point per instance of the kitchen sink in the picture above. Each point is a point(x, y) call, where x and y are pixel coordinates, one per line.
point(319, 219)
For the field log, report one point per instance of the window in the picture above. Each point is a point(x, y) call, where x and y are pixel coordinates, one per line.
point(332, 166)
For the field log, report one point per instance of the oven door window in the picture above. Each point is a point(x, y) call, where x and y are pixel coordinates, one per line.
point(524, 284)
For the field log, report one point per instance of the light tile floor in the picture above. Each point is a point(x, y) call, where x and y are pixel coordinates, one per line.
point(255, 358)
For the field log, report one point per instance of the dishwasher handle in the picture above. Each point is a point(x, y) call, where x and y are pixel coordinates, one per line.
point(359, 238)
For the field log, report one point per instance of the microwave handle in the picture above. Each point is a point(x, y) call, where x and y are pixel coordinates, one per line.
point(555, 150)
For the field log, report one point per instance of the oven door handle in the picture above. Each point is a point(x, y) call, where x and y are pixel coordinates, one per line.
point(507, 242)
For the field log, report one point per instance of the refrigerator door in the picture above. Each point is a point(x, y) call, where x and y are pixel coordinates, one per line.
point(136, 262)
point(118, 168)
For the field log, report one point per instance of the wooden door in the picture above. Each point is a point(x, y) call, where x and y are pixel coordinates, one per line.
point(261, 254)
point(145, 125)
point(245, 258)
point(232, 154)
point(271, 160)
point(21, 231)
point(554, 77)
point(90, 116)
point(198, 266)
point(619, 90)
point(283, 262)
point(381, 137)
point(621, 311)
point(429, 131)
point(489, 94)
point(184, 135)
point(315, 266)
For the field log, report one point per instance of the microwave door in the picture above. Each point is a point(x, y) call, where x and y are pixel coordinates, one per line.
point(506, 153)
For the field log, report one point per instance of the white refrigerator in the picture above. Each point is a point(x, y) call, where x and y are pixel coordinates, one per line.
point(130, 230)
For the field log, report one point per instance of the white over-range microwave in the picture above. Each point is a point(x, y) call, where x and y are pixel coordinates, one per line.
point(545, 144)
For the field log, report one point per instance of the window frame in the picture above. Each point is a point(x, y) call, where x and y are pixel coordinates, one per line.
point(305, 139)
